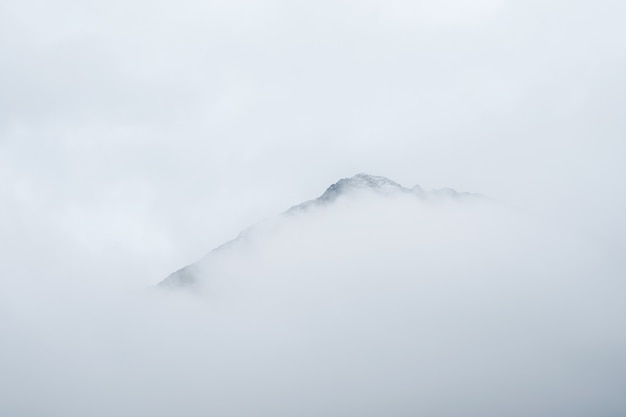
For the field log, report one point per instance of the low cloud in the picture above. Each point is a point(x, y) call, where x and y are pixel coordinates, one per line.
point(372, 305)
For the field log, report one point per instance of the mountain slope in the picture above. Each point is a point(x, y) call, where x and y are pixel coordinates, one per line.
point(352, 187)
point(375, 300)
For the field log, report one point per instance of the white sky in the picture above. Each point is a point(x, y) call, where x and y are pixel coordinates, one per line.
point(135, 135)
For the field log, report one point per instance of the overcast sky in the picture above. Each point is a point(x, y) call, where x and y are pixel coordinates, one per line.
point(135, 136)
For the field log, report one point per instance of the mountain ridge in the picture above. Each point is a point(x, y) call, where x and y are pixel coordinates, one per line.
point(356, 184)
point(379, 184)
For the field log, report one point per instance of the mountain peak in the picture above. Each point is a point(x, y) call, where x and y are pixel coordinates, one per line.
point(358, 181)
point(381, 185)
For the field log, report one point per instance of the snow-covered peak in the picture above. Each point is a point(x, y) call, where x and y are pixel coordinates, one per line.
point(357, 182)
point(377, 184)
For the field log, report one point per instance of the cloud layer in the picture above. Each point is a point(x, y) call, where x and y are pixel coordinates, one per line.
point(135, 136)
point(374, 304)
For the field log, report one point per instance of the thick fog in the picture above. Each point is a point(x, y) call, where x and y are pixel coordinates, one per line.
point(371, 305)
point(137, 136)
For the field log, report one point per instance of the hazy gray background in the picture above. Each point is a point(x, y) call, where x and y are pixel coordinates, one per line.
point(376, 304)
point(135, 136)
point(139, 134)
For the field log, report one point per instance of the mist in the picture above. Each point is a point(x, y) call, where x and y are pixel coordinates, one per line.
point(372, 305)
point(137, 136)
